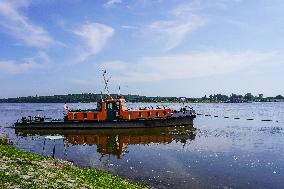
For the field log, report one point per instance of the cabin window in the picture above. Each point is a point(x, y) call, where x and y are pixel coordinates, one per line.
point(149, 114)
point(75, 140)
point(74, 116)
point(123, 103)
point(99, 106)
point(165, 113)
point(140, 114)
point(95, 116)
point(85, 115)
point(110, 106)
point(116, 106)
point(157, 114)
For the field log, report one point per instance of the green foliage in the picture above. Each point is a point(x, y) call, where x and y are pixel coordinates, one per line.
point(91, 97)
point(86, 97)
point(279, 97)
point(249, 97)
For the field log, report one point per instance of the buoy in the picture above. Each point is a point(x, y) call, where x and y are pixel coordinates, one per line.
point(266, 120)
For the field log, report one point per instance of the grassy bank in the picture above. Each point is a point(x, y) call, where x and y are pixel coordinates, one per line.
point(21, 169)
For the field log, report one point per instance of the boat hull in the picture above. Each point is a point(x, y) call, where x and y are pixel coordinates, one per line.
point(173, 121)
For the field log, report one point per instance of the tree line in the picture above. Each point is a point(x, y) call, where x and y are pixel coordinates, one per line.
point(91, 97)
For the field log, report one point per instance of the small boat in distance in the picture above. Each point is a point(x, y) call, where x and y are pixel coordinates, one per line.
point(112, 113)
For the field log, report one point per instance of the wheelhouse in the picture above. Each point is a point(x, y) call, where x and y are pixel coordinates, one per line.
point(115, 109)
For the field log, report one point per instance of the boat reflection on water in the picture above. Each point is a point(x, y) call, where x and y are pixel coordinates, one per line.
point(115, 141)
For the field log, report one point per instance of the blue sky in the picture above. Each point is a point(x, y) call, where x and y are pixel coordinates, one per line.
point(149, 47)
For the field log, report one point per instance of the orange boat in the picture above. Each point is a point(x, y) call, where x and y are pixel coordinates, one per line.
point(112, 113)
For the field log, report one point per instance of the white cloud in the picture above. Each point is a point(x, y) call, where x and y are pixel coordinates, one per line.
point(111, 3)
point(11, 67)
point(41, 57)
point(186, 18)
point(20, 26)
point(198, 5)
point(129, 27)
point(26, 65)
point(185, 66)
point(174, 31)
point(95, 36)
point(194, 6)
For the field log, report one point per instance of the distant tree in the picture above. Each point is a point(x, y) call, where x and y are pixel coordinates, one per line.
point(279, 97)
point(248, 97)
point(236, 98)
point(221, 98)
point(233, 96)
point(260, 96)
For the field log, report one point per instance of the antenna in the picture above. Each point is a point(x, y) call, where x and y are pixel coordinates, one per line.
point(119, 89)
point(102, 95)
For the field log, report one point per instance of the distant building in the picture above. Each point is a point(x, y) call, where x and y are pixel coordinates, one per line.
point(182, 98)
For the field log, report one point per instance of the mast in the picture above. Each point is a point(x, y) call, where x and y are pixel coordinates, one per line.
point(106, 80)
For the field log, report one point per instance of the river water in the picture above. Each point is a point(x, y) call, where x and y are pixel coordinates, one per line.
point(228, 151)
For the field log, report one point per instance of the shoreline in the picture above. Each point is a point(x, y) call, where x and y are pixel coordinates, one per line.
point(22, 169)
point(186, 102)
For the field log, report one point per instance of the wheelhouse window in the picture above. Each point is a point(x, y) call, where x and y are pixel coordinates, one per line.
point(139, 114)
point(74, 116)
point(165, 113)
point(99, 106)
point(157, 114)
point(109, 106)
point(75, 139)
point(123, 104)
point(149, 114)
point(117, 105)
point(95, 116)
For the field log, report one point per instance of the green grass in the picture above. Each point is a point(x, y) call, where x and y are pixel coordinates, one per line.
point(21, 169)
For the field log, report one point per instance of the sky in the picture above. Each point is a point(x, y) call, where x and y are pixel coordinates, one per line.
point(148, 47)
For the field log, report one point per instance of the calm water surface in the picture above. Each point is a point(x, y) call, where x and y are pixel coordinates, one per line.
point(215, 152)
